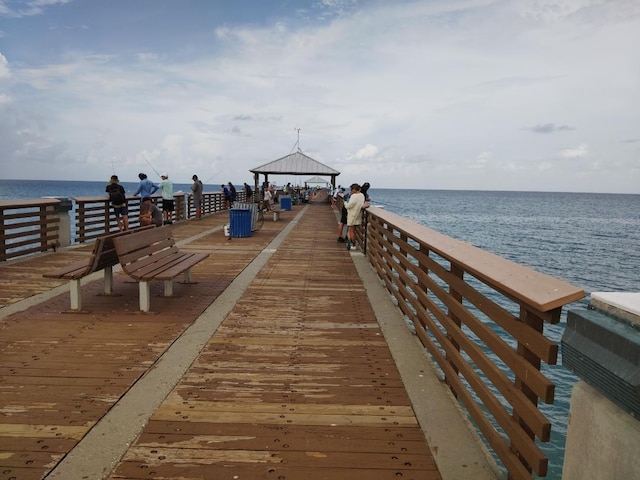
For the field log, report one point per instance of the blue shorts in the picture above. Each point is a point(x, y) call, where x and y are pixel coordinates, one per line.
point(121, 211)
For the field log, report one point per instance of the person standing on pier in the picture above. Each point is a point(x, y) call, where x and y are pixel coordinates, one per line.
point(248, 191)
point(269, 198)
point(118, 200)
point(234, 193)
point(227, 196)
point(146, 187)
point(166, 190)
point(338, 198)
point(196, 190)
point(354, 214)
point(364, 190)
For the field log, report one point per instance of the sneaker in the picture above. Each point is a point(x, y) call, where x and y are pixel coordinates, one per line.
point(348, 244)
point(341, 240)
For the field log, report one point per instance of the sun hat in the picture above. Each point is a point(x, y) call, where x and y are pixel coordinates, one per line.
point(164, 175)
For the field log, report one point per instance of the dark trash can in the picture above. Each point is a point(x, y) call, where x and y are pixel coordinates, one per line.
point(240, 222)
point(285, 202)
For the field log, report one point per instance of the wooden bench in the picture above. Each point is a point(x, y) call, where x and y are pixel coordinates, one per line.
point(153, 255)
point(103, 257)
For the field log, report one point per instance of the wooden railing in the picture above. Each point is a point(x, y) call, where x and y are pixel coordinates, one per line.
point(27, 227)
point(32, 226)
point(481, 317)
point(94, 215)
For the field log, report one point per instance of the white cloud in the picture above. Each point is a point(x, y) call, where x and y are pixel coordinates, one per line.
point(367, 151)
point(4, 67)
point(579, 152)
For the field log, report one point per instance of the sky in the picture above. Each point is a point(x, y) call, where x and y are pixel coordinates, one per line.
point(524, 95)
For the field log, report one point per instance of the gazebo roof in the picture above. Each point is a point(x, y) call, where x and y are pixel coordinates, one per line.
point(317, 180)
point(296, 164)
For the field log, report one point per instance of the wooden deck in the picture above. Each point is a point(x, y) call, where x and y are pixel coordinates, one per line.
point(295, 382)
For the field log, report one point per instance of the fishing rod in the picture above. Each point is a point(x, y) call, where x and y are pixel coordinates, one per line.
point(152, 168)
point(209, 179)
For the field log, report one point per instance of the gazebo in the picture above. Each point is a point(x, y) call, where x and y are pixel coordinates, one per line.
point(294, 164)
point(316, 181)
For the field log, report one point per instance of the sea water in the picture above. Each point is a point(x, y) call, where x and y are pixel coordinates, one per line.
point(589, 240)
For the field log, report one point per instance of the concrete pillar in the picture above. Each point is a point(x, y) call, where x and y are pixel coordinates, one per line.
point(64, 221)
point(601, 345)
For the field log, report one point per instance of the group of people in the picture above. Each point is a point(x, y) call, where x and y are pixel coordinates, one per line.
point(150, 213)
point(353, 202)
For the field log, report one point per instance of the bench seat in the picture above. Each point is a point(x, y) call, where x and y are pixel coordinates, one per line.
point(153, 256)
point(103, 257)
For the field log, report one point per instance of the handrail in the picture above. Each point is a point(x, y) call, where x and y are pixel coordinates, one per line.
point(457, 297)
point(28, 227)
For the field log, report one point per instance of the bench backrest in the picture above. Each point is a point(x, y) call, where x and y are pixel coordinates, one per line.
point(104, 250)
point(144, 247)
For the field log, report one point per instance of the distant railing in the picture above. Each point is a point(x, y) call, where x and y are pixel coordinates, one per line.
point(481, 318)
point(33, 226)
point(28, 226)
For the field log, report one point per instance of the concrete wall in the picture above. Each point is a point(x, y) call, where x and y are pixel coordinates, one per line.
point(602, 439)
point(603, 436)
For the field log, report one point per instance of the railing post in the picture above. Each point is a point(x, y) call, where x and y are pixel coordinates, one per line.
point(62, 210)
point(457, 296)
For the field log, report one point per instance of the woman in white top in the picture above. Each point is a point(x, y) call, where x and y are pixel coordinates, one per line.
point(354, 214)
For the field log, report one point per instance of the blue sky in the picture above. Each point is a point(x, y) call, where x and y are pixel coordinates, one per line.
point(440, 94)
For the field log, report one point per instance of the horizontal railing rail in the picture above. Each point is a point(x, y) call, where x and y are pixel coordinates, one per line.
point(481, 317)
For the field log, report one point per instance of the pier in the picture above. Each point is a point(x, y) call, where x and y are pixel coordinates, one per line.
point(289, 358)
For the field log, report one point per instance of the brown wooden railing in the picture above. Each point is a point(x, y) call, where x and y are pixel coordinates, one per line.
point(32, 226)
point(481, 317)
point(27, 227)
point(94, 216)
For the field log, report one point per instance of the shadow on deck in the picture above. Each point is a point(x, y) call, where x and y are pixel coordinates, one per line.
point(272, 366)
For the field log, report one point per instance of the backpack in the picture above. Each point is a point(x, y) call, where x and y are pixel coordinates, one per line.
point(116, 194)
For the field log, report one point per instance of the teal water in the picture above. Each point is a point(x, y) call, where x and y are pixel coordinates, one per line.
point(589, 240)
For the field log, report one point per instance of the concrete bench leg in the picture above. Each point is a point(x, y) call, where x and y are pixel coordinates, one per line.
point(145, 296)
point(108, 280)
point(76, 297)
point(168, 288)
point(276, 216)
point(187, 276)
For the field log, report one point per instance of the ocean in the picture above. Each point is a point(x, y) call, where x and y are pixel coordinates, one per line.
point(589, 240)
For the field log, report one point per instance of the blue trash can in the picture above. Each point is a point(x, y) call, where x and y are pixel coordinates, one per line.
point(240, 222)
point(285, 202)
